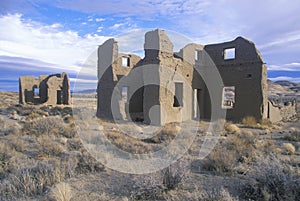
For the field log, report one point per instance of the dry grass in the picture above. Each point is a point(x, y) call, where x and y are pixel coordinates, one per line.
point(49, 146)
point(273, 180)
point(127, 143)
point(236, 149)
point(288, 148)
point(232, 128)
point(39, 152)
point(5, 155)
point(62, 192)
point(167, 134)
point(31, 181)
point(293, 135)
point(249, 121)
point(220, 161)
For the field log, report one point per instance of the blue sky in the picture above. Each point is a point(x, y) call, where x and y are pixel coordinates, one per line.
point(50, 36)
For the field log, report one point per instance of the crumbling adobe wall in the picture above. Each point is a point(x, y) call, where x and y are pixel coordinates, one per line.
point(162, 74)
point(282, 111)
point(110, 72)
point(52, 89)
point(168, 72)
point(27, 84)
point(153, 101)
point(247, 72)
point(274, 112)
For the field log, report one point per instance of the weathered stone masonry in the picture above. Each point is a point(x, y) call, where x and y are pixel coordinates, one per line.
point(164, 87)
point(46, 89)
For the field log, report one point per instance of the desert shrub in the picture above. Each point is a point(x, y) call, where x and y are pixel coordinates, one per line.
point(61, 192)
point(272, 180)
point(16, 142)
point(167, 134)
point(174, 174)
point(265, 123)
point(249, 121)
point(243, 146)
point(288, 148)
point(153, 186)
point(128, 143)
point(43, 126)
point(148, 187)
point(48, 125)
point(228, 154)
point(23, 110)
point(220, 161)
point(36, 113)
point(49, 146)
point(5, 156)
point(266, 146)
point(216, 194)
point(74, 144)
point(2, 124)
point(31, 181)
point(86, 163)
point(232, 128)
point(294, 135)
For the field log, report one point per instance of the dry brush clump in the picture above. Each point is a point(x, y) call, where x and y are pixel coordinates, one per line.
point(221, 161)
point(31, 181)
point(216, 194)
point(288, 148)
point(232, 128)
point(6, 154)
point(49, 146)
point(251, 122)
point(61, 192)
point(293, 135)
point(156, 185)
point(271, 179)
point(128, 143)
point(47, 126)
point(167, 134)
point(225, 157)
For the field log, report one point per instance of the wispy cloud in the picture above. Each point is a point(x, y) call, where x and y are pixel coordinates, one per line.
point(99, 19)
point(47, 43)
point(116, 26)
point(285, 67)
point(99, 29)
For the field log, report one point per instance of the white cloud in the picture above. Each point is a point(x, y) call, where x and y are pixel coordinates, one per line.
point(99, 29)
point(47, 43)
point(100, 19)
point(285, 67)
point(116, 26)
point(144, 8)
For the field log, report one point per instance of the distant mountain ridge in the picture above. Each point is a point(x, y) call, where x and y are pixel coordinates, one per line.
point(283, 89)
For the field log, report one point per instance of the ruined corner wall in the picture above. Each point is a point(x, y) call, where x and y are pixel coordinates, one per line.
point(52, 89)
point(247, 72)
point(111, 70)
point(283, 111)
point(166, 72)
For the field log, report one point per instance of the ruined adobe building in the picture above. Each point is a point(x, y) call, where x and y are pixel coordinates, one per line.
point(46, 89)
point(165, 86)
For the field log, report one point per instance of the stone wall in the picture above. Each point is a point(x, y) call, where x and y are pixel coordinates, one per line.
point(167, 87)
point(50, 90)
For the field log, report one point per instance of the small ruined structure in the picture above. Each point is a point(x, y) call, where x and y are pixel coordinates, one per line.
point(278, 111)
point(46, 89)
point(168, 87)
